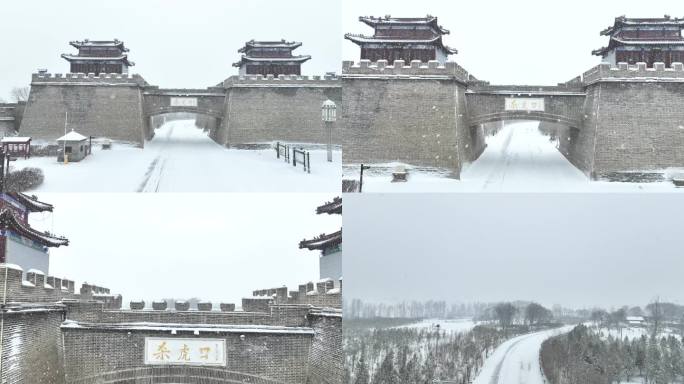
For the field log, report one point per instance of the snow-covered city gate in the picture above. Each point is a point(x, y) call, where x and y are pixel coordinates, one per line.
point(560, 104)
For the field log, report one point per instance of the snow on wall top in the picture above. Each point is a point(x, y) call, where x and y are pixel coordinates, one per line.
point(212, 328)
point(87, 79)
point(37, 286)
point(328, 80)
point(416, 68)
point(639, 73)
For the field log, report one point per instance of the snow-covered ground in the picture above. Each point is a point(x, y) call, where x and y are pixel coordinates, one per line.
point(456, 325)
point(182, 158)
point(516, 361)
point(519, 158)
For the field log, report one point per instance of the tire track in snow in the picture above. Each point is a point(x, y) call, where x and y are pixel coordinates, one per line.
point(154, 173)
point(497, 371)
point(497, 168)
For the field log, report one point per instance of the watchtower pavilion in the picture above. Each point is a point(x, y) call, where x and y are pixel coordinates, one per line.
point(655, 40)
point(408, 39)
point(270, 58)
point(97, 57)
point(20, 244)
point(330, 244)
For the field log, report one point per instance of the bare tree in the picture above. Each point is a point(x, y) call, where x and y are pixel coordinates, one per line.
point(20, 93)
point(536, 313)
point(505, 313)
point(656, 316)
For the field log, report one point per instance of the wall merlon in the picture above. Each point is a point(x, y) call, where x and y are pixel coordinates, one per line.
point(416, 68)
point(35, 277)
point(89, 78)
point(34, 286)
point(638, 72)
point(281, 80)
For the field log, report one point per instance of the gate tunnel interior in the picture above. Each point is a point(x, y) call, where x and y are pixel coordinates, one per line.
point(206, 123)
point(528, 149)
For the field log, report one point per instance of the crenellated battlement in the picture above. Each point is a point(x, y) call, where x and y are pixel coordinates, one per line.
point(88, 79)
point(35, 287)
point(282, 81)
point(415, 69)
point(323, 293)
point(639, 72)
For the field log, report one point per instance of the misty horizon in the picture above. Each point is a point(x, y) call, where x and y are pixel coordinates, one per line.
point(578, 250)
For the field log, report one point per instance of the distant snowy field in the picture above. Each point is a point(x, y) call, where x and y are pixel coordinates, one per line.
point(455, 326)
point(182, 158)
point(518, 158)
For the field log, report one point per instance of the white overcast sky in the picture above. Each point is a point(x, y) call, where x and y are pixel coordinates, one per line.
point(531, 42)
point(577, 250)
point(174, 43)
point(217, 247)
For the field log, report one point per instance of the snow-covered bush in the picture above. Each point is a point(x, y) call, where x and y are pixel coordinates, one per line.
point(24, 179)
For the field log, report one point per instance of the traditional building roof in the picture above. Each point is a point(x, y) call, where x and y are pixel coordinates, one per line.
point(293, 59)
point(322, 241)
point(389, 20)
point(431, 36)
point(622, 21)
point(331, 207)
point(85, 53)
point(622, 33)
point(9, 220)
point(31, 203)
point(270, 52)
point(99, 43)
point(69, 57)
point(289, 45)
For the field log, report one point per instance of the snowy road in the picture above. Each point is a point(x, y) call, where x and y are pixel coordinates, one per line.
point(518, 158)
point(182, 158)
point(516, 361)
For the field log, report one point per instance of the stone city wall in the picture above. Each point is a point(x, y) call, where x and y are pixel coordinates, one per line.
point(102, 106)
point(286, 108)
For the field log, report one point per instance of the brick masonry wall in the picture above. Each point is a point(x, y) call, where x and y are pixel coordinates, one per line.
point(326, 357)
point(281, 357)
point(640, 126)
point(577, 144)
point(556, 107)
point(32, 346)
point(99, 106)
point(209, 102)
point(410, 120)
point(263, 110)
point(280, 316)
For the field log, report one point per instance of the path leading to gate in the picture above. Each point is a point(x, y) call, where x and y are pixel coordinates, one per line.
point(519, 156)
point(182, 158)
point(516, 361)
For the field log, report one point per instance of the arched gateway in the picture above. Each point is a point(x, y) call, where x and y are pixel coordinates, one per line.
point(616, 117)
point(101, 98)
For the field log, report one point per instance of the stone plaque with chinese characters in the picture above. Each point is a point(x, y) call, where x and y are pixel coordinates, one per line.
point(183, 101)
point(179, 351)
point(525, 104)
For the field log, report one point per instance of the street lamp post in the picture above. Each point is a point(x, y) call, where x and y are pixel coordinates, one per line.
point(329, 115)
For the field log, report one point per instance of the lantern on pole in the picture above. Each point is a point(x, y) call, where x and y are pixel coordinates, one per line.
point(329, 116)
